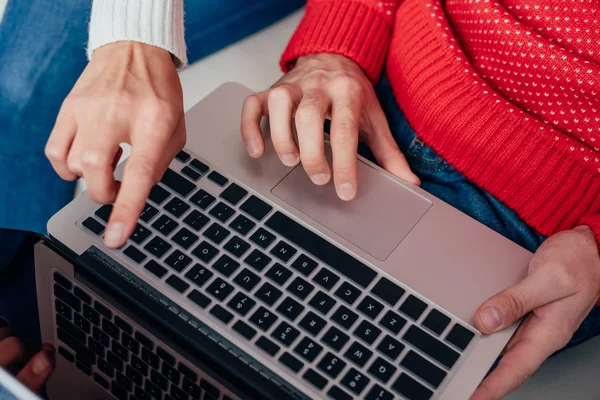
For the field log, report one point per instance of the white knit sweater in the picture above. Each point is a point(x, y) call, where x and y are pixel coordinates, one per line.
point(155, 22)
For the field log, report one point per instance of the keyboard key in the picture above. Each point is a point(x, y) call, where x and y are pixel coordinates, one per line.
point(67, 297)
point(257, 260)
point(178, 261)
point(158, 195)
point(176, 207)
point(218, 178)
point(182, 156)
point(190, 173)
point(160, 381)
point(196, 220)
point(300, 288)
point(321, 249)
point(326, 278)
point(413, 307)
point(120, 351)
point(242, 224)
point(202, 199)
point(246, 279)
point(370, 307)
point(150, 358)
point(118, 391)
point(177, 284)
point(96, 348)
point(165, 225)
point(268, 293)
point(338, 394)
point(431, 346)
point(436, 321)
point(322, 303)
point(355, 381)
point(199, 165)
point(392, 322)
point(236, 246)
point(82, 323)
point(219, 289)
point(387, 291)
point(244, 329)
point(83, 296)
point(332, 365)
point(124, 325)
point(262, 238)
point(290, 308)
point(134, 254)
point(390, 347)
point(423, 369)
point(226, 265)
point(241, 303)
point(222, 212)
point(90, 314)
point(382, 370)
point(278, 274)
point(285, 333)
point(191, 388)
point(379, 393)
point(221, 314)
point(347, 293)
point(283, 251)
point(111, 329)
point(134, 375)
point(267, 345)
point(165, 355)
point(62, 281)
point(358, 354)
point(263, 319)
point(104, 212)
point(148, 213)
point(115, 361)
point(344, 317)
point(158, 247)
point(178, 394)
point(460, 336)
point(205, 251)
point(312, 323)
point(185, 238)
point(256, 208)
point(63, 309)
point(140, 337)
point(335, 338)
point(93, 225)
point(210, 389)
point(171, 373)
point(139, 234)
point(152, 388)
point(308, 349)
point(413, 390)
point(178, 183)
point(304, 265)
point(216, 233)
point(367, 332)
point(315, 378)
point(199, 298)
point(199, 275)
point(291, 362)
point(234, 194)
point(105, 367)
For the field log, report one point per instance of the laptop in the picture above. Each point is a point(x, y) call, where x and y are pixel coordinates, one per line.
point(243, 280)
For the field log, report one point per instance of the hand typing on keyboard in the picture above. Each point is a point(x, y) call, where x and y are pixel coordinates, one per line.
point(129, 92)
point(320, 86)
point(13, 352)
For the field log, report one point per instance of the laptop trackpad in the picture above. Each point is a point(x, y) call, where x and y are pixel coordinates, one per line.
point(376, 221)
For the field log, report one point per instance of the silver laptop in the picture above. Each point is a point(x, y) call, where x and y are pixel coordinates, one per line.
point(245, 280)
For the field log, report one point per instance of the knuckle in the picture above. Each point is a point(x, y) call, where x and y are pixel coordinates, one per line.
point(278, 94)
point(345, 126)
point(311, 162)
point(308, 114)
point(251, 101)
point(346, 84)
point(93, 159)
point(54, 152)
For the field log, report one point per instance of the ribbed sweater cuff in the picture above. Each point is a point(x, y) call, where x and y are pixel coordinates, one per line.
point(155, 22)
point(350, 28)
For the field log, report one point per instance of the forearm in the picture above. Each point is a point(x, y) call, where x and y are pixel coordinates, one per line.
point(155, 22)
point(358, 29)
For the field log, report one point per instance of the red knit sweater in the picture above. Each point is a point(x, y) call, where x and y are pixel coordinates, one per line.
point(507, 91)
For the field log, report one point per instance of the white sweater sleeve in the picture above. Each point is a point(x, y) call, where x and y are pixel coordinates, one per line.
point(155, 22)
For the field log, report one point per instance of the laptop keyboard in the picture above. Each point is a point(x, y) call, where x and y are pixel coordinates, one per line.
point(120, 357)
point(331, 320)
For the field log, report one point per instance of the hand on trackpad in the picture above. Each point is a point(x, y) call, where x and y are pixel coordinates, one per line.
point(376, 221)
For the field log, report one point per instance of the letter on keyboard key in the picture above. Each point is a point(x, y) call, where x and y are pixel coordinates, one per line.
point(358, 354)
point(431, 346)
point(331, 365)
point(355, 381)
point(177, 183)
point(382, 370)
point(408, 387)
point(308, 349)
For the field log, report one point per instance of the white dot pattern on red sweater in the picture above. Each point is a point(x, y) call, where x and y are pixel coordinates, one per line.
point(540, 57)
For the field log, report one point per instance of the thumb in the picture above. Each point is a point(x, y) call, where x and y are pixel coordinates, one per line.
point(385, 149)
point(513, 303)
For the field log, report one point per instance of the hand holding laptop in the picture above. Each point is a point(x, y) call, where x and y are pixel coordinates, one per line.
point(324, 86)
point(13, 351)
point(130, 92)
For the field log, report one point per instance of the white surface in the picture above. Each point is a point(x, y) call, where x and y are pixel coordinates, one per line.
point(2, 7)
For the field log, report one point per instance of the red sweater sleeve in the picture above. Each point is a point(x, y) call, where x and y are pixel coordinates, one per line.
point(358, 29)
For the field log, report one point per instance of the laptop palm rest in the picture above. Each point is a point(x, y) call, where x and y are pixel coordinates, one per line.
point(382, 214)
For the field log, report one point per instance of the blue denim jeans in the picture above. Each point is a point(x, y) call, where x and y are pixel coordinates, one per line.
point(42, 53)
point(443, 181)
